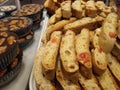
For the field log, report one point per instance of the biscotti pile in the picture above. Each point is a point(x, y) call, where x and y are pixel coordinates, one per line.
point(80, 48)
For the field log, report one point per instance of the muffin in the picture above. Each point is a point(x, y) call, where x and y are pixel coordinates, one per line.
point(19, 25)
point(11, 71)
point(8, 9)
point(29, 10)
point(8, 48)
point(24, 41)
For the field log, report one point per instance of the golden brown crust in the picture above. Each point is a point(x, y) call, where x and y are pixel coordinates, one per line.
point(114, 66)
point(83, 53)
point(67, 52)
point(50, 6)
point(99, 57)
point(77, 9)
point(50, 55)
point(107, 82)
point(89, 84)
point(65, 82)
point(87, 22)
point(91, 10)
point(66, 9)
point(41, 81)
point(56, 27)
point(108, 34)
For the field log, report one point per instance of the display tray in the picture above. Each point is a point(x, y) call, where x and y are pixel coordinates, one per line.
point(32, 83)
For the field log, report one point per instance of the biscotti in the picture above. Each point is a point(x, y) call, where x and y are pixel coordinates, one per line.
point(65, 83)
point(107, 82)
point(50, 55)
point(114, 66)
point(87, 22)
point(83, 53)
point(52, 20)
point(99, 61)
point(41, 81)
point(108, 34)
point(58, 14)
point(67, 52)
point(90, 10)
point(100, 5)
point(118, 30)
point(50, 6)
point(77, 8)
point(116, 50)
point(99, 57)
point(56, 17)
point(89, 84)
point(56, 27)
point(66, 9)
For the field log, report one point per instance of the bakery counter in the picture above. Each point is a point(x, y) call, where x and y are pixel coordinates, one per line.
point(21, 81)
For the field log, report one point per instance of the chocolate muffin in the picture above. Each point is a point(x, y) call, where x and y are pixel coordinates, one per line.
point(19, 25)
point(8, 48)
point(11, 71)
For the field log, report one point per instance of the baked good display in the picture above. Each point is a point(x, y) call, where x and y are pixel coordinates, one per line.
point(12, 70)
point(91, 40)
point(29, 10)
point(19, 25)
point(24, 41)
point(8, 9)
point(8, 48)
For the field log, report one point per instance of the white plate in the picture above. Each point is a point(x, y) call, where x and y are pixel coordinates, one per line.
point(44, 24)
